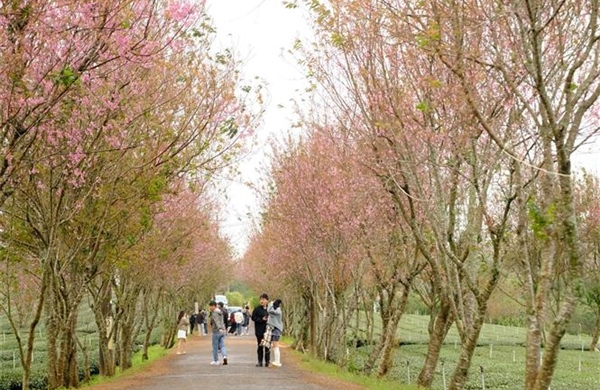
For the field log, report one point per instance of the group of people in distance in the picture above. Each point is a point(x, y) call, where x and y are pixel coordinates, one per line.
point(268, 326)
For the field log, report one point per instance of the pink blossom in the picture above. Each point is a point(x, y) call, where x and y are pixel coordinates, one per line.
point(179, 11)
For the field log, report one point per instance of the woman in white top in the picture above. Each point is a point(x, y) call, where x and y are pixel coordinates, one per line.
point(182, 326)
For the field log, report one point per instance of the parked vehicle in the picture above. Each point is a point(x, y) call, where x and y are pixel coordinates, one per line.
point(221, 298)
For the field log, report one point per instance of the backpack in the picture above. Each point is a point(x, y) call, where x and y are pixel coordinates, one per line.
point(239, 317)
point(225, 317)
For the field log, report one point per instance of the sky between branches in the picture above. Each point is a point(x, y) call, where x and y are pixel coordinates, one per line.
point(261, 32)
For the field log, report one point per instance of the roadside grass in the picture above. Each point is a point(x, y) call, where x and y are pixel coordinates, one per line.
point(155, 352)
point(333, 371)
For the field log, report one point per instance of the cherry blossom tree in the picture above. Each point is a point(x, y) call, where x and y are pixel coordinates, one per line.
point(545, 61)
point(481, 99)
point(587, 192)
point(104, 110)
point(445, 174)
point(332, 246)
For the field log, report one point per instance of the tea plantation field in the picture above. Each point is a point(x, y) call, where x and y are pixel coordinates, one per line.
point(499, 361)
point(10, 365)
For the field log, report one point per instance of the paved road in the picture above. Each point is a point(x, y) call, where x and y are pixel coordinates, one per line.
point(193, 370)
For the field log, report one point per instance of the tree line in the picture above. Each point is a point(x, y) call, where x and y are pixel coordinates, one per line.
point(115, 116)
point(437, 161)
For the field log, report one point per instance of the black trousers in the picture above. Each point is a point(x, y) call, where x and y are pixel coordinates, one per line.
point(263, 352)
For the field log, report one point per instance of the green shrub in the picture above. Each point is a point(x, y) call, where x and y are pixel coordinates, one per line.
point(518, 321)
point(10, 379)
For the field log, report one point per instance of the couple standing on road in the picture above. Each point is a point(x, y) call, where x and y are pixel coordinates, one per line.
point(268, 325)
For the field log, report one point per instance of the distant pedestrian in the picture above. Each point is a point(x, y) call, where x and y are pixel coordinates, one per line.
point(201, 319)
point(275, 322)
point(238, 318)
point(246, 314)
point(259, 316)
point(218, 334)
point(192, 322)
point(232, 323)
point(182, 327)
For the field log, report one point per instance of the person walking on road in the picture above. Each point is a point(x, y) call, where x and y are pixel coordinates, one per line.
point(259, 316)
point(218, 334)
point(275, 321)
point(182, 328)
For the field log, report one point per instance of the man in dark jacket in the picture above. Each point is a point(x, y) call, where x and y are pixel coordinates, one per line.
point(260, 316)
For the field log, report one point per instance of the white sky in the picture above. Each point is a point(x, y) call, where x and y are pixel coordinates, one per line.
point(260, 32)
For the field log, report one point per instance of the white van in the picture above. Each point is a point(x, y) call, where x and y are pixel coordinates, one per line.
point(221, 298)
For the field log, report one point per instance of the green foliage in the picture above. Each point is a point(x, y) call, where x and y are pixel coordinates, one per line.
point(145, 221)
point(431, 36)
point(416, 305)
point(337, 40)
point(229, 127)
point(66, 77)
point(423, 106)
point(540, 220)
point(156, 188)
point(510, 321)
point(11, 379)
point(235, 298)
point(224, 58)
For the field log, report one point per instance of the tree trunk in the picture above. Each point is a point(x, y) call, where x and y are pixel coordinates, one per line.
point(69, 351)
point(54, 375)
point(62, 308)
point(27, 360)
point(390, 338)
point(104, 322)
point(391, 312)
point(461, 372)
point(312, 309)
point(106, 357)
point(595, 333)
point(442, 323)
point(150, 316)
point(552, 347)
point(126, 344)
